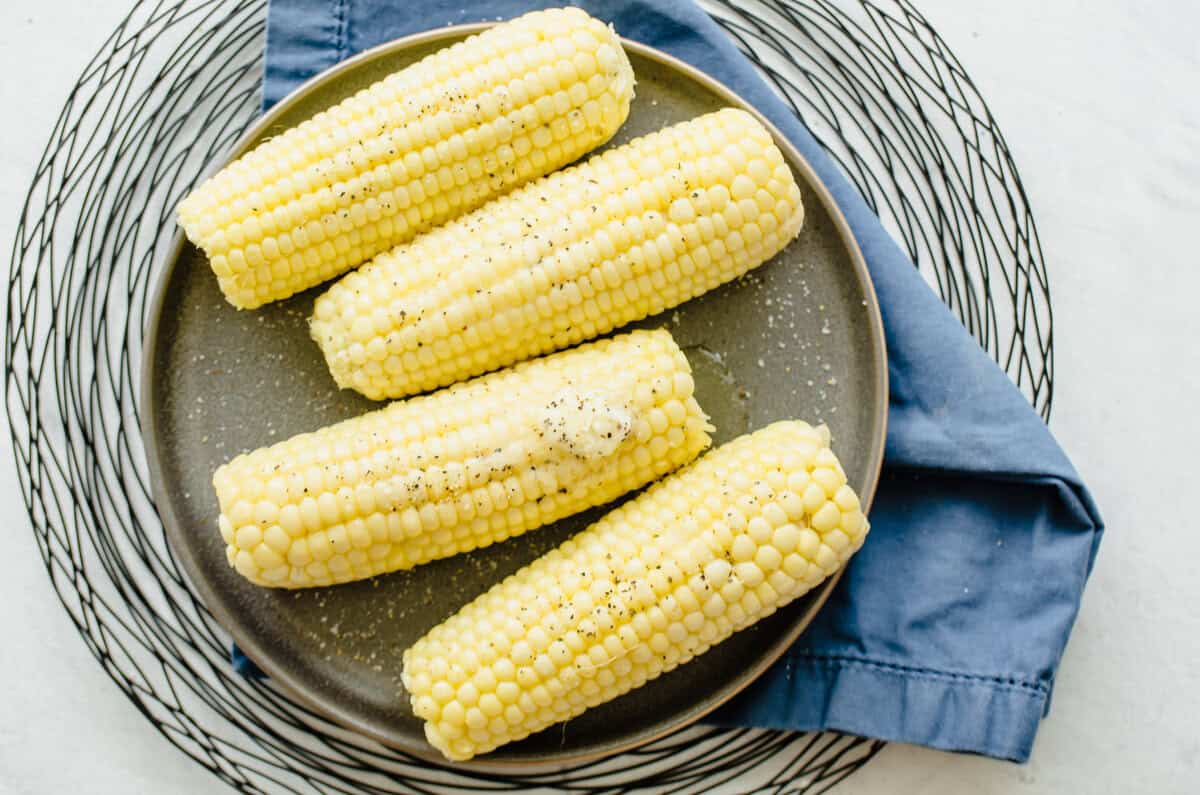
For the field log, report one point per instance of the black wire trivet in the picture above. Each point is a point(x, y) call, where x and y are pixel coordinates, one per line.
point(171, 88)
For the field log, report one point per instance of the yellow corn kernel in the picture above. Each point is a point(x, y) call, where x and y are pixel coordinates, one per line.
point(421, 146)
point(626, 234)
point(460, 468)
point(640, 592)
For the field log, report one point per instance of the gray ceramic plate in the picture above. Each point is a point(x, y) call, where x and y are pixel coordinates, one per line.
point(799, 338)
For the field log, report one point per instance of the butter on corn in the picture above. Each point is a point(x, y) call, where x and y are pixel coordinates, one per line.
point(423, 145)
point(624, 235)
point(710, 550)
point(461, 468)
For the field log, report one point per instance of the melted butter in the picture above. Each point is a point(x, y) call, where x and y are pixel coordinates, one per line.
point(587, 425)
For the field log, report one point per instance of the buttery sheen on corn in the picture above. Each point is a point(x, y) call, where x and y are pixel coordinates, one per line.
point(624, 235)
point(419, 147)
point(706, 552)
point(463, 467)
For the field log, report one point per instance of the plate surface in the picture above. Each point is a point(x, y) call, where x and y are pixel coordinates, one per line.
point(799, 337)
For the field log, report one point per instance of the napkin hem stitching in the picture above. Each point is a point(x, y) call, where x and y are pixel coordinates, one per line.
point(997, 682)
point(339, 35)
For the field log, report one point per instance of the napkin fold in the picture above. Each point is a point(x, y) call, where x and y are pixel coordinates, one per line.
point(949, 624)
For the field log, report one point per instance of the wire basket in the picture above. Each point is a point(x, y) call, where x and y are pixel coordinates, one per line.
point(169, 90)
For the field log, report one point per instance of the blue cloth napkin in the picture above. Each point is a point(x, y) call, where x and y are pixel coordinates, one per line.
point(948, 627)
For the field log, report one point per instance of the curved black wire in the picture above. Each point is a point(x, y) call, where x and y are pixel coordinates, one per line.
point(894, 107)
point(168, 92)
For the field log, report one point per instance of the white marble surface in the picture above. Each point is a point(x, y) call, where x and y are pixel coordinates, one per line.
point(1098, 102)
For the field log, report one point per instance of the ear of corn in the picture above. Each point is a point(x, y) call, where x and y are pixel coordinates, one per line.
point(702, 554)
point(461, 468)
point(424, 145)
point(626, 234)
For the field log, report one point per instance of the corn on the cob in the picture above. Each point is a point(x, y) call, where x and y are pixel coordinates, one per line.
point(415, 149)
point(626, 234)
point(463, 467)
point(708, 551)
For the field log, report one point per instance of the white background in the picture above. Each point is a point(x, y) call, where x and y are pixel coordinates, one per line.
point(1099, 103)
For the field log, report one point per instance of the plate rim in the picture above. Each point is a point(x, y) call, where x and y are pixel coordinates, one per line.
point(172, 527)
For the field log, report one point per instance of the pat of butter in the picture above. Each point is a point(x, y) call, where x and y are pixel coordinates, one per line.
point(586, 424)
